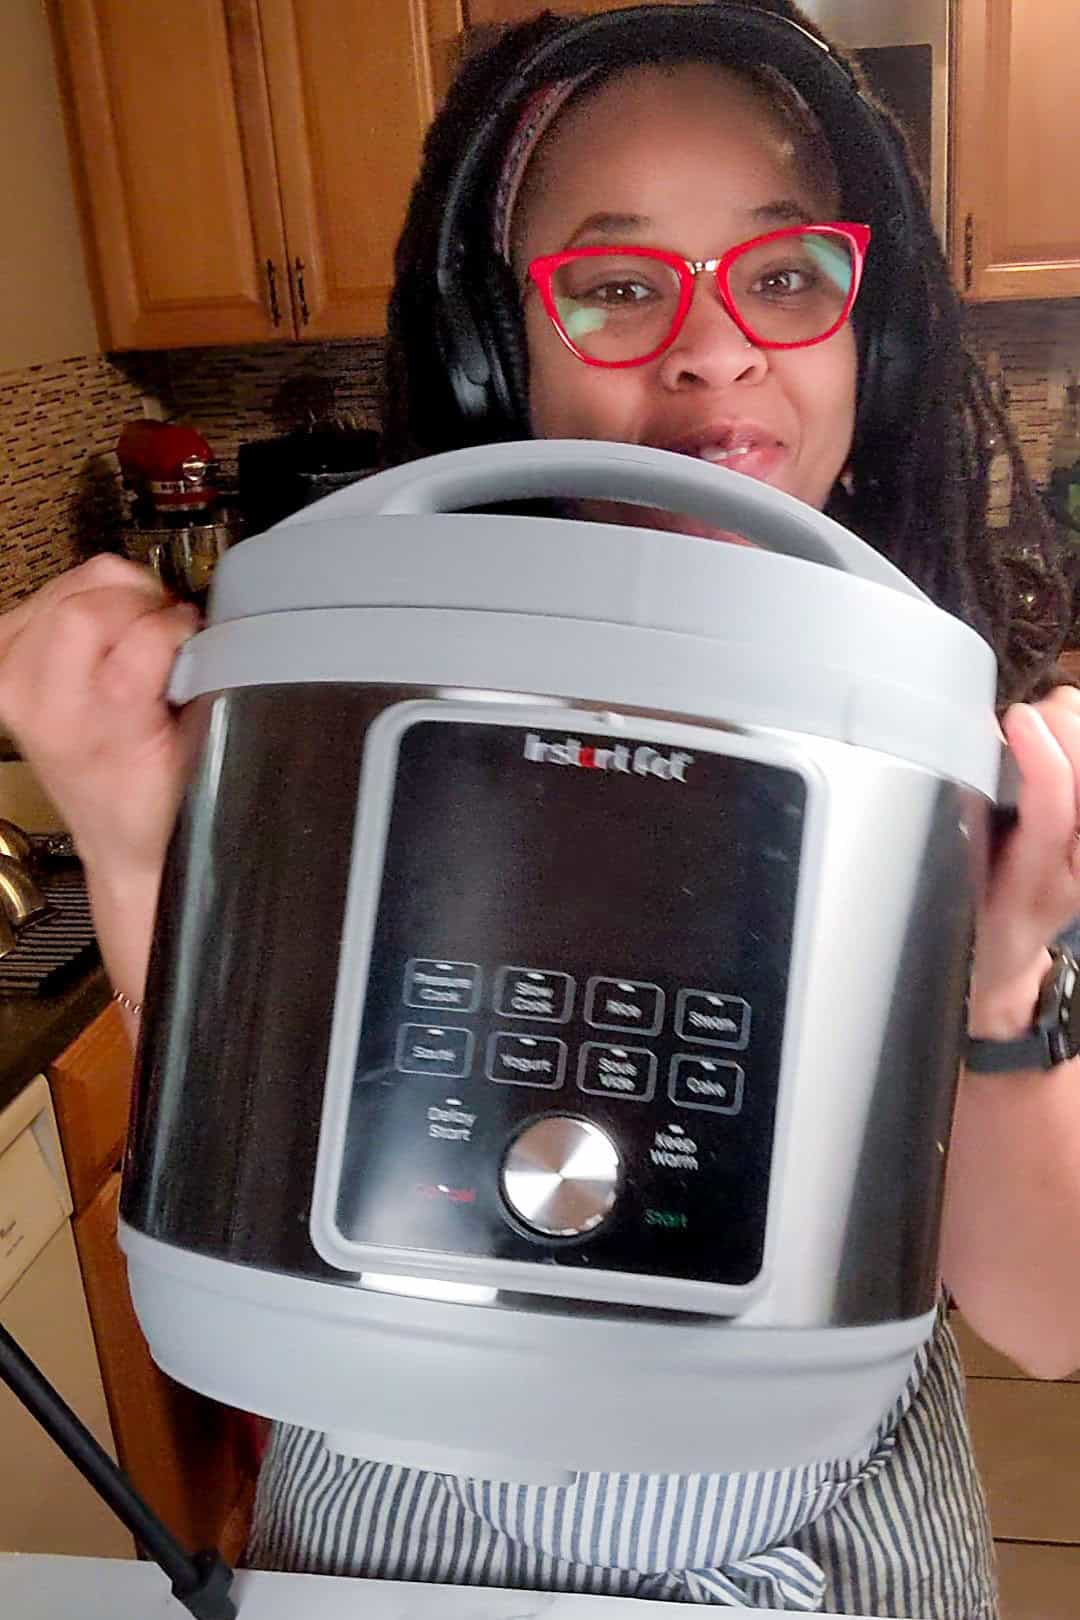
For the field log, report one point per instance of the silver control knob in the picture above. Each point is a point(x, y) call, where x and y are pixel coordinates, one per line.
point(560, 1176)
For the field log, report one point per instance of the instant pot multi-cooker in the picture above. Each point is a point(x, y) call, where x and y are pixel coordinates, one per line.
point(558, 989)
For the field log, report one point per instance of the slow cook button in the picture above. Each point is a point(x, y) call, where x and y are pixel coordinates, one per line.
point(442, 986)
point(713, 1019)
point(423, 1049)
point(526, 1060)
point(624, 1004)
point(617, 1071)
point(535, 993)
point(708, 1083)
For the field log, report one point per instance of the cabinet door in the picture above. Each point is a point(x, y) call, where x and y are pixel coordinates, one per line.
point(189, 1457)
point(91, 1091)
point(172, 134)
point(1016, 181)
point(353, 86)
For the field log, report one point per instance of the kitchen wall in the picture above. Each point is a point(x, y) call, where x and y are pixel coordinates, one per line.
point(1038, 344)
point(59, 496)
point(60, 403)
point(235, 394)
point(59, 420)
point(46, 306)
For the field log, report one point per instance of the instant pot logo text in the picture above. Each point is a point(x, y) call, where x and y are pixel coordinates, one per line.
point(632, 759)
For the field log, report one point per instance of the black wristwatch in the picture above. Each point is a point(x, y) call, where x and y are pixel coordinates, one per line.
point(1055, 1035)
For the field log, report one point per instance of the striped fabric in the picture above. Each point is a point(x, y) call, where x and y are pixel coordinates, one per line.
point(899, 1531)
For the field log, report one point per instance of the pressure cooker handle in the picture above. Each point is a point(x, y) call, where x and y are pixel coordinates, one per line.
point(589, 468)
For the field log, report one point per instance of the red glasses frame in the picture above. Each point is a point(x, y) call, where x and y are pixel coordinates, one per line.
point(542, 269)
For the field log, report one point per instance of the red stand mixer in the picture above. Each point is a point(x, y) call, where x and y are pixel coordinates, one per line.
point(178, 525)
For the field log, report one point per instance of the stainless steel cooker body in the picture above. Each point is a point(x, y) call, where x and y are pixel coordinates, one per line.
point(581, 1014)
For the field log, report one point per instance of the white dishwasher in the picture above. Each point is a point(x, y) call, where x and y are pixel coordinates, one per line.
point(45, 1504)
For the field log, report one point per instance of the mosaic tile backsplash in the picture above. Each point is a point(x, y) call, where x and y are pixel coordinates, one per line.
point(59, 496)
point(58, 487)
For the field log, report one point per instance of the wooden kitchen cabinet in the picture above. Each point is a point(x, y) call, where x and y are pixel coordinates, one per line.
point(352, 89)
point(484, 13)
point(191, 1459)
point(1015, 176)
point(244, 165)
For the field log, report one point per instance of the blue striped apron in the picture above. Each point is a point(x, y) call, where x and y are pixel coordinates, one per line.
point(899, 1531)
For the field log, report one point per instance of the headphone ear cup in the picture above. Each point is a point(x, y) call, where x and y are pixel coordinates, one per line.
point(483, 351)
point(889, 367)
point(463, 354)
point(507, 351)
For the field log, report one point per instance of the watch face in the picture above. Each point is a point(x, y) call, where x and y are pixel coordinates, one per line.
point(1067, 1023)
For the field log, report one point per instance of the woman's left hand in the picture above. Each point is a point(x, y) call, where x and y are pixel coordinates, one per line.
point(1033, 890)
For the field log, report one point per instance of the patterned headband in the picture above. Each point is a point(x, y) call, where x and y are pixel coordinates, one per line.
point(540, 111)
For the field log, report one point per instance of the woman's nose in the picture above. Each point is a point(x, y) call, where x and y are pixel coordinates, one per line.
point(710, 349)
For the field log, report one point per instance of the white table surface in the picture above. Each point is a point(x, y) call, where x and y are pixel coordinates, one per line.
point(35, 1587)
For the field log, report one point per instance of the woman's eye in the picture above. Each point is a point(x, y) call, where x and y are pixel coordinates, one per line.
point(787, 282)
point(620, 294)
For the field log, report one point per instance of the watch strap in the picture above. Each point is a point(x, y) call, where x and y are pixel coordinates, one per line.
point(1051, 1040)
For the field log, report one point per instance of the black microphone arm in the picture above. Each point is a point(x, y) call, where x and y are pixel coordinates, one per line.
point(200, 1582)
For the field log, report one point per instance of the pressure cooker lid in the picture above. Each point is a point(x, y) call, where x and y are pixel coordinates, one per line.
point(805, 600)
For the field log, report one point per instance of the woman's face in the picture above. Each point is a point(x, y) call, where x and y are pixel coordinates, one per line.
point(689, 159)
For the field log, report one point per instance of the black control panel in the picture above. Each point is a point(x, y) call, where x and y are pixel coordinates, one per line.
point(572, 1023)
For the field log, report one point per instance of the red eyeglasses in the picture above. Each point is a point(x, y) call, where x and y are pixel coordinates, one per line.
point(623, 306)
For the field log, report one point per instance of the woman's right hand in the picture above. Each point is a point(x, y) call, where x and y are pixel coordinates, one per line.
point(84, 666)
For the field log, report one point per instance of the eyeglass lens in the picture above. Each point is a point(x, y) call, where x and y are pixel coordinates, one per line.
point(618, 306)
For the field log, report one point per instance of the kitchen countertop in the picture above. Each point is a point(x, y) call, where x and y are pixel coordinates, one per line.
point(35, 1029)
point(41, 1588)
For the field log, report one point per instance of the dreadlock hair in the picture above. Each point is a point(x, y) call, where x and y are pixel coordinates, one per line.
point(918, 495)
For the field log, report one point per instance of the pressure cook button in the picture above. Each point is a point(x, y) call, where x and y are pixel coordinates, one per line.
point(443, 986)
point(707, 1083)
point(526, 1060)
point(534, 993)
point(423, 1049)
point(617, 1071)
point(713, 1019)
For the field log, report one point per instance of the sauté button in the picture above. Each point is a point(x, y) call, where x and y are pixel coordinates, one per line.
point(426, 1049)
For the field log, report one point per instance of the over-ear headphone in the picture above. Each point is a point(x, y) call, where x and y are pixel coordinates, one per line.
point(477, 321)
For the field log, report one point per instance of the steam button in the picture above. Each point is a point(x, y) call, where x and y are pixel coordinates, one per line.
point(560, 1176)
point(713, 1019)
